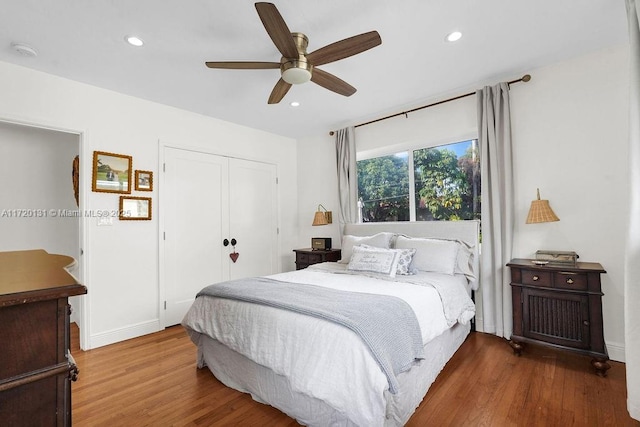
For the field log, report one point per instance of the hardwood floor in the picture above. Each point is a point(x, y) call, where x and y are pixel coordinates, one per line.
point(153, 381)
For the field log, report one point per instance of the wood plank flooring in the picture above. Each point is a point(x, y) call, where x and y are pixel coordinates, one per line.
point(153, 381)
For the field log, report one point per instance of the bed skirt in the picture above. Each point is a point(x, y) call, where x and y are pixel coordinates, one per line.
point(265, 386)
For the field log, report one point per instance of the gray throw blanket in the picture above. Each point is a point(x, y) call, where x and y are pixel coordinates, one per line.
point(386, 324)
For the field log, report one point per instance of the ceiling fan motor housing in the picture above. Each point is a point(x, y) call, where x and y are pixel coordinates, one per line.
point(297, 70)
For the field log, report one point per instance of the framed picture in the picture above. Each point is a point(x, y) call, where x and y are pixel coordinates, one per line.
point(135, 208)
point(144, 180)
point(111, 172)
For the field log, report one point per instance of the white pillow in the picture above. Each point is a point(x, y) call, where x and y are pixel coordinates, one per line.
point(380, 240)
point(376, 260)
point(439, 256)
point(465, 261)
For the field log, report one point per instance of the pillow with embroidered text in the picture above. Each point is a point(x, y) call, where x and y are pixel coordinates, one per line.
point(375, 260)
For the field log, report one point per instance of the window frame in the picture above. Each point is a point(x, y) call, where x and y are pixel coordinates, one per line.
point(410, 147)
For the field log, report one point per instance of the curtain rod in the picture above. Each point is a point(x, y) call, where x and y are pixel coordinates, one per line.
point(524, 78)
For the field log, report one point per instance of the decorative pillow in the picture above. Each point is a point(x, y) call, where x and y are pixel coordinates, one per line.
point(376, 260)
point(404, 262)
point(380, 240)
point(439, 256)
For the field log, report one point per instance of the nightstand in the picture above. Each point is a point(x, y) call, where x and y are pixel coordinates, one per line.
point(559, 306)
point(307, 257)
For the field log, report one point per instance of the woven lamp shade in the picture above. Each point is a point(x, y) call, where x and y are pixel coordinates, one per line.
point(540, 211)
point(319, 219)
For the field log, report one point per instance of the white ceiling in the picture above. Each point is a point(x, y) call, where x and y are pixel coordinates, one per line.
point(502, 40)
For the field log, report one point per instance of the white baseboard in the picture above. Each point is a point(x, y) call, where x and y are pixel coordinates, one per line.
point(122, 334)
point(616, 351)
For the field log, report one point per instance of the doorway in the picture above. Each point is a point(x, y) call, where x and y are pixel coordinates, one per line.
point(38, 208)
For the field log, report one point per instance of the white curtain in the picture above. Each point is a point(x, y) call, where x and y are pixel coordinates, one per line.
point(347, 175)
point(494, 130)
point(632, 258)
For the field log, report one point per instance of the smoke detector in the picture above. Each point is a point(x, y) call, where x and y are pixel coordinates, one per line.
point(24, 50)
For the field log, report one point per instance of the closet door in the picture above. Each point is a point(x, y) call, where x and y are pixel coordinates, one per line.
point(194, 201)
point(252, 218)
point(210, 199)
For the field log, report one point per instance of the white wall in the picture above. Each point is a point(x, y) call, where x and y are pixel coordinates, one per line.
point(569, 127)
point(35, 166)
point(121, 261)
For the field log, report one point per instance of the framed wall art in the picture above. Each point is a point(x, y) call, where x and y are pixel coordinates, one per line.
point(111, 172)
point(144, 180)
point(135, 208)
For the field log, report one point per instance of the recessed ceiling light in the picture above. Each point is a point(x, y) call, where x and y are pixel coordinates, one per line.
point(134, 41)
point(24, 50)
point(295, 104)
point(454, 36)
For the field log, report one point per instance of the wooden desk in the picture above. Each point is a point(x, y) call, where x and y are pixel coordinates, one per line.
point(36, 369)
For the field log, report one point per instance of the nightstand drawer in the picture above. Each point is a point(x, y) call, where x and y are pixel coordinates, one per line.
point(569, 280)
point(315, 258)
point(536, 278)
point(307, 257)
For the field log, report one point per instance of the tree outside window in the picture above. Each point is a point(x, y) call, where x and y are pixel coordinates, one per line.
point(383, 188)
point(446, 183)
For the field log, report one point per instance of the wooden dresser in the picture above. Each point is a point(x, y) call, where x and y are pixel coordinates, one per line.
point(559, 306)
point(36, 368)
point(307, 257)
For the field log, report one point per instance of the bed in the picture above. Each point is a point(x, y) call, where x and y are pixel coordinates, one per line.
point(353, 369)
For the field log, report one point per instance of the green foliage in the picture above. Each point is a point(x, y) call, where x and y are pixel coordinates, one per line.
point(444, 184)
point(383, 186)
point(446, 187)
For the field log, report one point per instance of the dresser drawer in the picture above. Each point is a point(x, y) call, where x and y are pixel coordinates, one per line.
point(569, 280)
point(302, 257)
point(536, 278)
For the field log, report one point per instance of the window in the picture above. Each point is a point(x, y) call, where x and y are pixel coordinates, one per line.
point(444, 185)
point(383, 188)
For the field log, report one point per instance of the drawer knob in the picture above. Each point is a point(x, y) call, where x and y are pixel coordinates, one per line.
point(585, 323)
point(570, 281)
point(536, 278)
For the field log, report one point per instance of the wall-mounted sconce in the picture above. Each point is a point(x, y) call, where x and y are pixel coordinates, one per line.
point(322, 217)
point(540, 211)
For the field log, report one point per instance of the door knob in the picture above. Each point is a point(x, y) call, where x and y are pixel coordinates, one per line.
point(225, 242)
point(233, 242)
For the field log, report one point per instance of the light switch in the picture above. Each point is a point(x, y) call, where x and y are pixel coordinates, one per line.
point(105, 220)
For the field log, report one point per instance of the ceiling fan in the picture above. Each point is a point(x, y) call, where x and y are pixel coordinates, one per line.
point(296, 65)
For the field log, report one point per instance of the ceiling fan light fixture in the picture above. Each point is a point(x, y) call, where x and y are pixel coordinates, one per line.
point(296, 76)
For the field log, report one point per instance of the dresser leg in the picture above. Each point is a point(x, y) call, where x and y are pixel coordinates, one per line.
point(517, 347)
point(601, 365)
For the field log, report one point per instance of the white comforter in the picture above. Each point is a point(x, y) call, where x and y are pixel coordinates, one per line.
point(322, 359)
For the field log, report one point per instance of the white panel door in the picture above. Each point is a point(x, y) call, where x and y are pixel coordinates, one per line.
point(252, 218)
point(194, 202)
point(207, 199)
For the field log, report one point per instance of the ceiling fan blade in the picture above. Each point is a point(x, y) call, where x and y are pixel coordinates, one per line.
point(279, 91)
point(243, 65)
point(277, 29)
point(344, 48)
point(331, 82)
